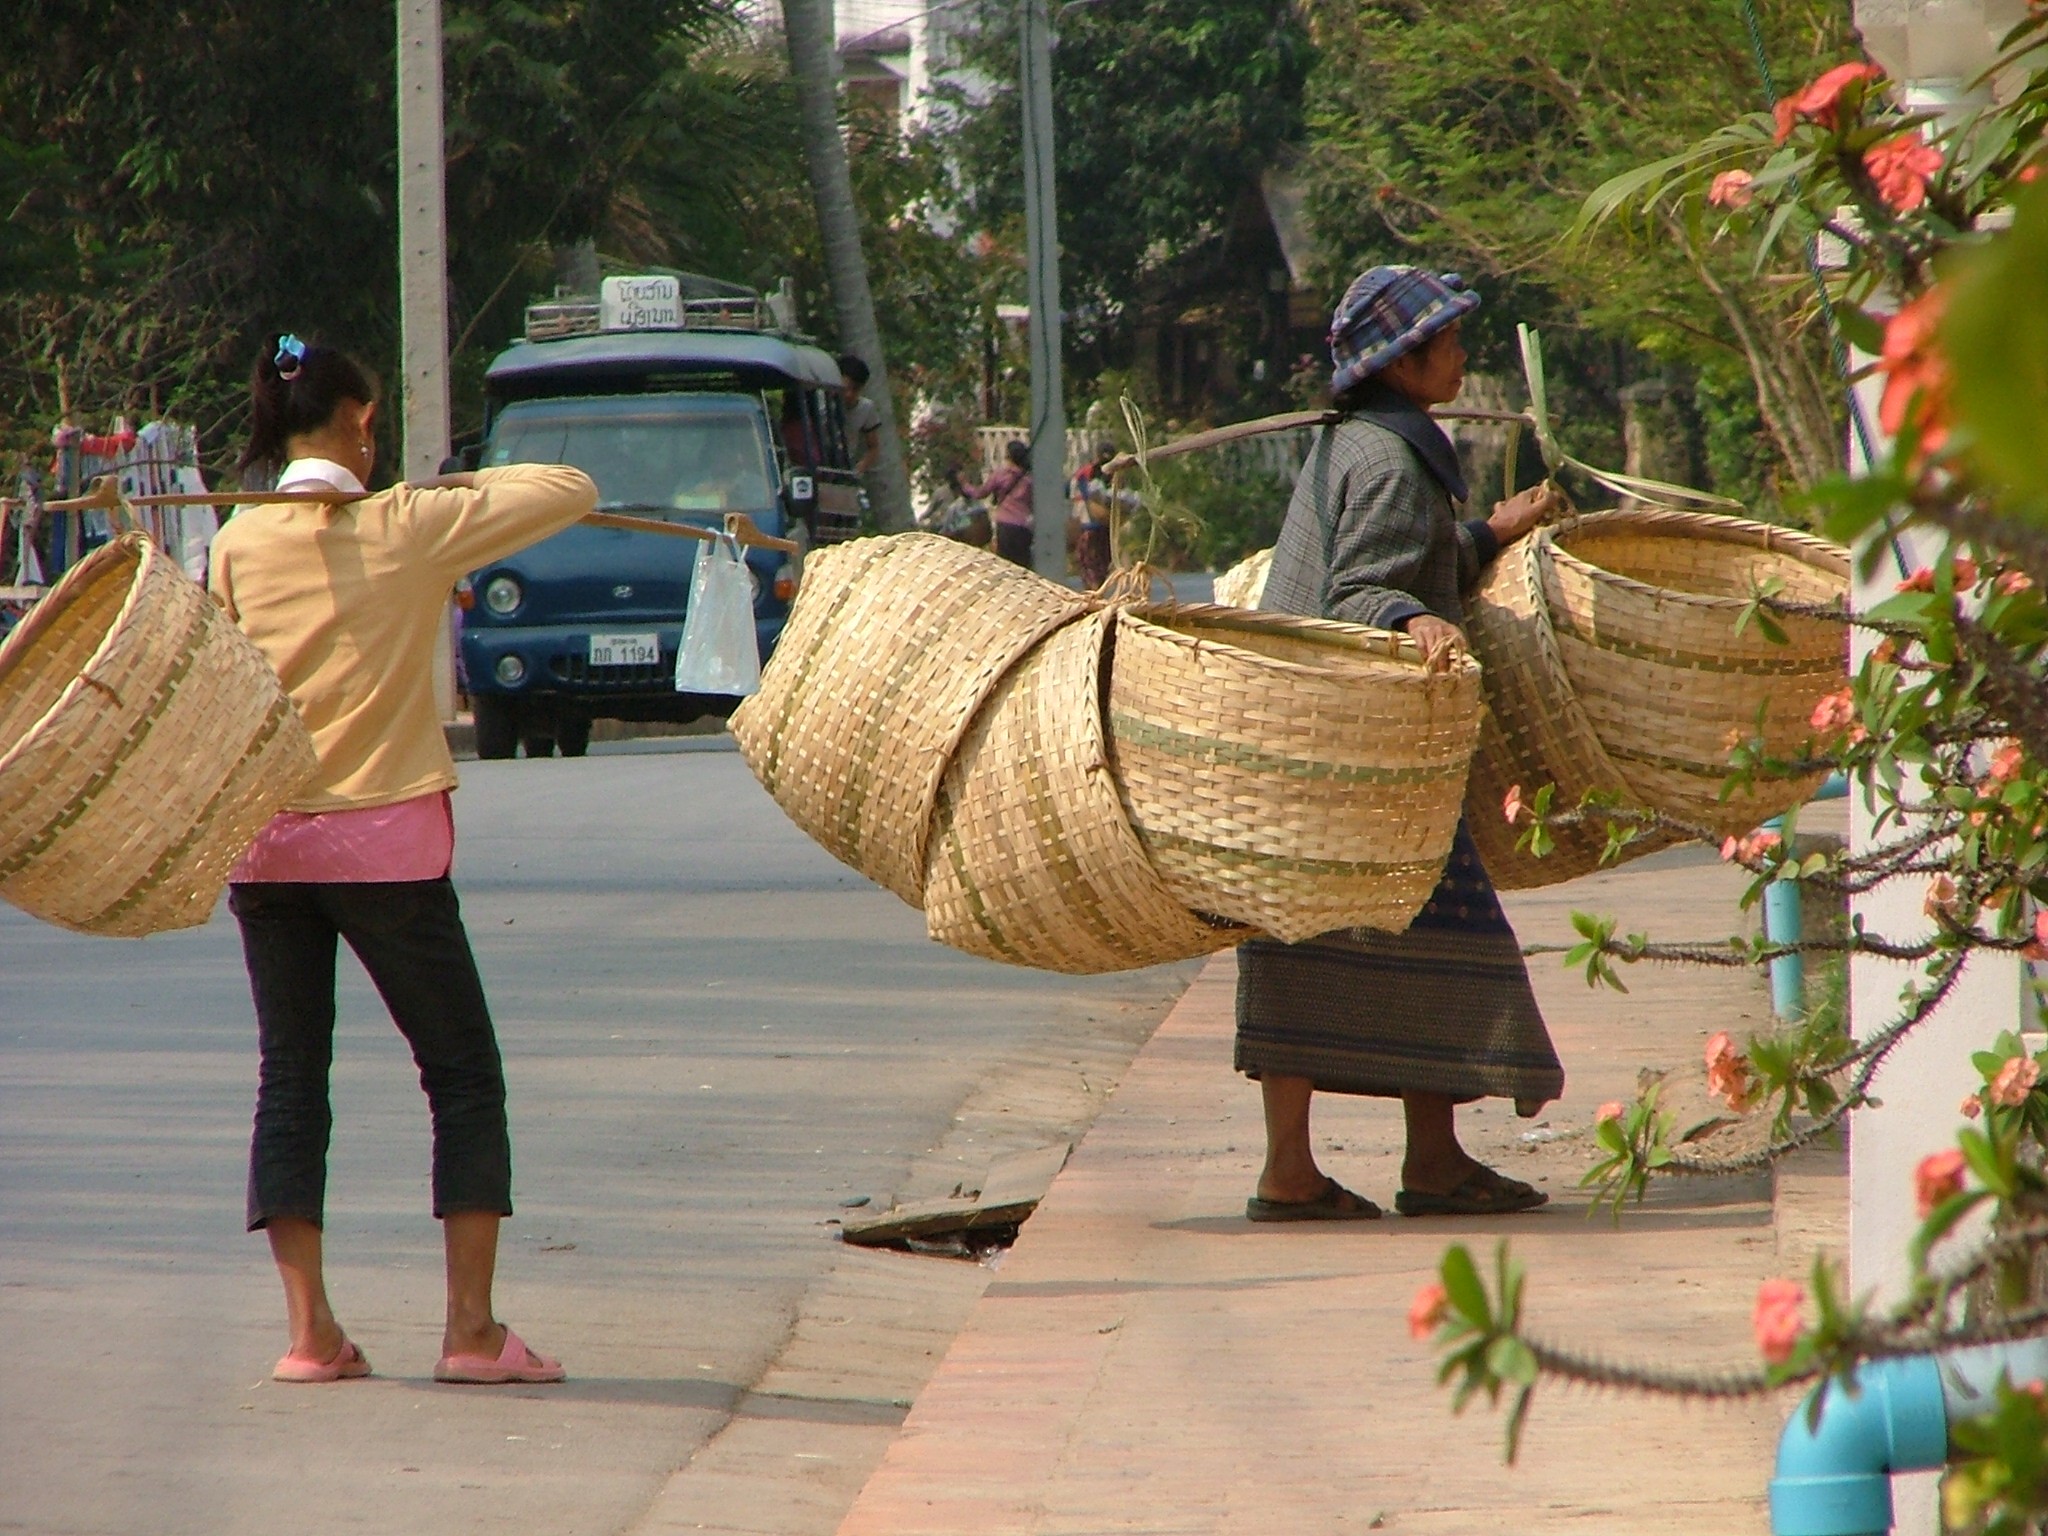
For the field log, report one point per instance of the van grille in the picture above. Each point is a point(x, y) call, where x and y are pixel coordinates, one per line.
point(575, 669)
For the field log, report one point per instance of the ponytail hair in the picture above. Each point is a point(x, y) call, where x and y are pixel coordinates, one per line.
point(295, 388)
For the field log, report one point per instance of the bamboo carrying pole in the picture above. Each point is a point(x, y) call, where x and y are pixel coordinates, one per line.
point(105, 496)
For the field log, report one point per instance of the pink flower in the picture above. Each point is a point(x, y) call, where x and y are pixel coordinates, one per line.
point(1613, 1109)
point(1427, 1311)
point(1921, 580)
point(1512, 807)
point(1966, 572)
point(1900, 166)
point(2005, 763)
point(1916, 389)
point(1971, 1107)
point(1940, 897)
point(2010, 582)
point(1835, 712)
point(1776, 1319)
point(1939, 1175)
point(1885, 652)
point(1731, 190)
point(1728, 1076)
point(2038, 950)
point(1730, 847)
point(2015, 1080)
point(1749, 849)
point(1820, 99)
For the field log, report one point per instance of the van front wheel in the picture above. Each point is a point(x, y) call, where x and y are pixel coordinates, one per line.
point(572, 735)
point(497, 726)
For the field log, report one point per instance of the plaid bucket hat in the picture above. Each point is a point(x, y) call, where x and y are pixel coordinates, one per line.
point(1389, 311)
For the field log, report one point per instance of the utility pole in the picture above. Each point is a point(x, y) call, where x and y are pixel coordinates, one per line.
point(1042, 259)
point(807, 28)
point(423, 270)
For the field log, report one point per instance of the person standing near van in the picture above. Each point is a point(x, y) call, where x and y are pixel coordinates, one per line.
point(863, 416)
point(344, 599)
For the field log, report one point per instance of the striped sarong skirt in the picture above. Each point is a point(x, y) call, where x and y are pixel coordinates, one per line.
point(1444, 1008)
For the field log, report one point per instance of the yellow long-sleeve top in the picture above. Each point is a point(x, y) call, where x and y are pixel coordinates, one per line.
point(346, 602)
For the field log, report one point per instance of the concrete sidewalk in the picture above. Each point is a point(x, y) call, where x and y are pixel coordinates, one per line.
point(1146, 1360)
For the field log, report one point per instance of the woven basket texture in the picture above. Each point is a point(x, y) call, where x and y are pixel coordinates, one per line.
point(892, 647)
point(1245, 582)
point(1290, 774)
point(1032, 860)
point(1612, 663)
point(144, 742)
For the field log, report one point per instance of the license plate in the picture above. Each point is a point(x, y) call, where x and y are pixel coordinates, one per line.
point(625, 650)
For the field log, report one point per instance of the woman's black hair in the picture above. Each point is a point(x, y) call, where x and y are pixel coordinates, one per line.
point(1019, 452)
point(295, 388)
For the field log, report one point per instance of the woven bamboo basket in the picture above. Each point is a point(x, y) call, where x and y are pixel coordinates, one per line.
point(144, 742)
point(1032, 860)
point(1290, 774)
point(1245, 582)
point(893, 645)
point(1612, 663)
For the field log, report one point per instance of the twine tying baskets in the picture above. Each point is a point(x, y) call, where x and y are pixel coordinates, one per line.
point(935, 717)
point(1612, 663)
point(147, 743)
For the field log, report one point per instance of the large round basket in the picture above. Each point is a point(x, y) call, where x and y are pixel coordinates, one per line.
point(1290, 774)
point(1031, 859)
point(1613, 664)
point(144, 742)
point(892, 647)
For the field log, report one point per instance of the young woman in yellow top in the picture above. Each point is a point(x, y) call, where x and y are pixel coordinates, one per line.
point(345, 599)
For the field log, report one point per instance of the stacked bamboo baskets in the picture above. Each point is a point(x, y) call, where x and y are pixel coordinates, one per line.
point(1612, 664)
point(1087, 788)
point(143, 744)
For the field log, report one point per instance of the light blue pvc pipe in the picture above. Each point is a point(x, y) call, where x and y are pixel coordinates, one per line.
point(1835, 1478)
point(1782, 926)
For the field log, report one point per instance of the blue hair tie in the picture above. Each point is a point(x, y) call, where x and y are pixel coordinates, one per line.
point(291, 352)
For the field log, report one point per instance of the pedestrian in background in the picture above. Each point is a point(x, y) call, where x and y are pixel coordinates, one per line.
point(863, 416)
point(1010, 489)
point(1443, 1013)
point(1095, 496)
point(345, 600)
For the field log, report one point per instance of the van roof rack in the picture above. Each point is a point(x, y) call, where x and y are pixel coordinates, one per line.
point(694, 302)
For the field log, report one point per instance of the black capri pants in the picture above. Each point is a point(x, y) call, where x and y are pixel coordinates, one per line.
point(409, 936)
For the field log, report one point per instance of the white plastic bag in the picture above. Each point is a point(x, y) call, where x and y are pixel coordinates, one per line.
point(719, 653)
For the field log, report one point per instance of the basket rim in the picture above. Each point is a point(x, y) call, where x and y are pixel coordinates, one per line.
point(1384, 645)
point(1819, 553)
point(132, 548)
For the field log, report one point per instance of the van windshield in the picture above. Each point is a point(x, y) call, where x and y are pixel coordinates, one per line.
point(661, 458)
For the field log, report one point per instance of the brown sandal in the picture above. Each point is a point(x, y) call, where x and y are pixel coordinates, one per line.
point(1335, 1203)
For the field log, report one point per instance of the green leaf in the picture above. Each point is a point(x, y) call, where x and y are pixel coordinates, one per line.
point(1461, 1281)
point(1996, 337)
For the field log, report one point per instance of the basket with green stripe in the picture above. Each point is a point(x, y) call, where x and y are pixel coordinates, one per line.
point(1293, 775)
point(144, 742)
point(1031, 858)
point(1613, 663)
point(892, 647)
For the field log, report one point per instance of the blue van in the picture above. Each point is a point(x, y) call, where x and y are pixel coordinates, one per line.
point(683, 408)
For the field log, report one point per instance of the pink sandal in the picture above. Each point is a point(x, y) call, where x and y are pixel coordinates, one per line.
point(348, 1363)
point(515, 1364)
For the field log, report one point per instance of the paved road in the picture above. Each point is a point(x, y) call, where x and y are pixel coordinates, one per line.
point(713, 1033)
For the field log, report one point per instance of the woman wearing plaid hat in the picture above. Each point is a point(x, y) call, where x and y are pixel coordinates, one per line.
point(1443, 1013)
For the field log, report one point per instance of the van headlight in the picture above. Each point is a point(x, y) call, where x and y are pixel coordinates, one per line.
point(511, 671)
point(503, 595)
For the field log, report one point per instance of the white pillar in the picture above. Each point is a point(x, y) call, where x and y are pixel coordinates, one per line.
point(1042, 243)
point(1929, 46)
point(423, 271)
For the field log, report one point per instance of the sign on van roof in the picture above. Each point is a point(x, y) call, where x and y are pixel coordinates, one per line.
point(654, 301)
point(640, 304)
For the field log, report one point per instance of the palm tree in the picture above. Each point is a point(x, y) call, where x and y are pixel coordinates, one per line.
point(807, 25)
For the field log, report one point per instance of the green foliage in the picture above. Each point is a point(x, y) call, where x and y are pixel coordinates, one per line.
point(1996, 337)
point(1633, 1145)
point(1998, 1467)
point(1480, 1337)
point(1466, 135)
point(1167, 113)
